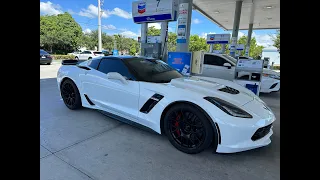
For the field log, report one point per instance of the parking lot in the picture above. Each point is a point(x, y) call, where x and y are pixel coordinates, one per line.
point(84, 144)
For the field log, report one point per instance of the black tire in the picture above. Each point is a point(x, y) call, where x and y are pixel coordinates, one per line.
point(186, 125)
point(89, 58)
point(76, 58)
point(70, 94)
point(48, 63)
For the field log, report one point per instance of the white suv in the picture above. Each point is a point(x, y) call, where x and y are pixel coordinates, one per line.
point(86, 55)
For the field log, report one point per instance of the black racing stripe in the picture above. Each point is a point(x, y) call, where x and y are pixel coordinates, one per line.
point(151, 102)
point(219, 138)
point(89, 101)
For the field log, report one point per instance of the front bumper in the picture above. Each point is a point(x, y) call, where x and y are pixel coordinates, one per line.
point(245, 145)
point(241, 134)
point(269, 85)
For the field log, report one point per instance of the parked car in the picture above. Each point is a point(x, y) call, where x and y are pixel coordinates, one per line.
point(75, 53)
point(193, 112)
point(86, 55)
point(223, 66)
point(45, 57)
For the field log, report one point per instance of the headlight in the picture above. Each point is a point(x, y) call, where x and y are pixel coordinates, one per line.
point(273, 76)
point(228, 108)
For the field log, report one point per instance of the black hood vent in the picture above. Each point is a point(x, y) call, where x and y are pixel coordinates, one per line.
point(229, 90)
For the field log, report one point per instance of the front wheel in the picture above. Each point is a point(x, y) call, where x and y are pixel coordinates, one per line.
point(76, 58)
point(89, 58)
point(70, 95)
point(188, 129)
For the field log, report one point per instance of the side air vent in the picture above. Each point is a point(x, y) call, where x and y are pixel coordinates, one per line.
point(84, 67)
point(229, 90)
point(151, 102)
point(89, 101)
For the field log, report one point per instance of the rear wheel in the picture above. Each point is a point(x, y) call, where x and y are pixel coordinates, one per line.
point(76, 58)
point(70, 95)
point(89, 58)
point(188, 129)
point(49, 63)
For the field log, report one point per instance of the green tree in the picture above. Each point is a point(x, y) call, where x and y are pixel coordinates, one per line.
point(133, 50)
point(255, 49)
point(152, 31)
point(276, 40)
point(172, 42)
point(197, 43)
point(107, 42)
point(60, 33)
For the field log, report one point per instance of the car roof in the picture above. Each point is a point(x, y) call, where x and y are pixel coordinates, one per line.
point(124, 57)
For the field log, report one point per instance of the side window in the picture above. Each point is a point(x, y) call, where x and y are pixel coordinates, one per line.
point(94, 63)
point(86, 52)
point(114, 65)
point(214, 60)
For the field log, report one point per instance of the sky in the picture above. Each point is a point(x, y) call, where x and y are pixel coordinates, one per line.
point(117, 19)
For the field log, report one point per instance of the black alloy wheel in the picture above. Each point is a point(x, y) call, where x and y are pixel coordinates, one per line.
point(70, 94)
point(188, 129)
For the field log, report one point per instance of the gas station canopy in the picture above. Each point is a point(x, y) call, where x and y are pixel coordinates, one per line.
point(266, 14)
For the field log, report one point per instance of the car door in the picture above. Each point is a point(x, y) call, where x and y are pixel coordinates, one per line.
point(113, 95)
point(84, 55)
point(213, 67)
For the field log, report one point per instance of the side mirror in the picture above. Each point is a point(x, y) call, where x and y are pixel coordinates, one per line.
point(228, 65)
point(117, 76)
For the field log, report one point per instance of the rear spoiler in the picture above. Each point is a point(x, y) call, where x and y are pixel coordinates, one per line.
point(69, 62)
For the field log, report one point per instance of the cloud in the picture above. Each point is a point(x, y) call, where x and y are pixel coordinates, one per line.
point(49, 8)
point(130, 34)
point(204, 35)
point(120, 12)
point(264, 39)
point(70, 11)
point(92, 12)
point(87, 31)
point(240, 34)
point(156, 25)
point(109, 27)
point(196, 21)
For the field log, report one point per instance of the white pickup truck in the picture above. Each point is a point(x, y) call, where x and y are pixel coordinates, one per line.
point(223, 66)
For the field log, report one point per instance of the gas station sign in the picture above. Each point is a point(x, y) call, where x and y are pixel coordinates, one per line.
point(218, 38)
point(154, 11)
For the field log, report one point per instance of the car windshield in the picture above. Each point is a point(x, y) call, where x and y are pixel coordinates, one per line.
point(42, 52)
point(232, 59)
point(151, 70)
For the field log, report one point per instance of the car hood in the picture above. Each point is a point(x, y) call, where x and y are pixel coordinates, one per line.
point(207, 86)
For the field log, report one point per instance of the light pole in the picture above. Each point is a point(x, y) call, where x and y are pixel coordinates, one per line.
point(99, 26)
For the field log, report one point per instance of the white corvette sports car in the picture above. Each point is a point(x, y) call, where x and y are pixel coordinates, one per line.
point(194, 112)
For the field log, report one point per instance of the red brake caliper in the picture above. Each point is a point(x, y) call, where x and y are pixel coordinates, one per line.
point(176, 124)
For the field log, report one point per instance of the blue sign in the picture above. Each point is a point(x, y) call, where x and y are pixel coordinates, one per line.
point(154, 18)
point(115, 52)
point(217, 42)
point(181, 61)
point(154, 11)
